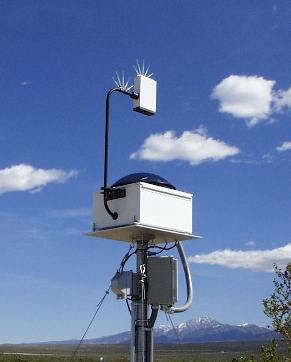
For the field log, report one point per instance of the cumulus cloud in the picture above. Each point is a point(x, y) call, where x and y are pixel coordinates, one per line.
point(248, 97)
point(262, 260)
point(285, 146)
point(25, 177)
point(192, 146)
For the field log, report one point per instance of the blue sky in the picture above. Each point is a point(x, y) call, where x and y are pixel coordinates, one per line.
point(224, 99)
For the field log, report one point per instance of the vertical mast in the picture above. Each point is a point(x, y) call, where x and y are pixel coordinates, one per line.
point(139, 321)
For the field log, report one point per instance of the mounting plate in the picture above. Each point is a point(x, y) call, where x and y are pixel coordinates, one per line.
point(134, 232)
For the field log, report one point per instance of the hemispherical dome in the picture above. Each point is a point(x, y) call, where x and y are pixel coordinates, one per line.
point(150, 178)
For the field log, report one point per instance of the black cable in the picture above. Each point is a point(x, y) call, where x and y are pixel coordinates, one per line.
point(171, 247)
point(128, 307)
point(91, 321)
point(162, 248)
point(158, 247)
point(126, 259)
point(105, 188)
point(159, 252)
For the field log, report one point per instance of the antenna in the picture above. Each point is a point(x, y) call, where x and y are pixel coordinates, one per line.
point(146, 87)
point(121, 84)
point(140, 69)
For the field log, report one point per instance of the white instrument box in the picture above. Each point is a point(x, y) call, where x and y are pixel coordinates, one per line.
point(145, 210)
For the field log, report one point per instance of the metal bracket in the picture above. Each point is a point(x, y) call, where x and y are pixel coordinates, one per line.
point(113, 194)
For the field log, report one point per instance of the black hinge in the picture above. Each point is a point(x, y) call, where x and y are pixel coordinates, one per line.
point(112, 194)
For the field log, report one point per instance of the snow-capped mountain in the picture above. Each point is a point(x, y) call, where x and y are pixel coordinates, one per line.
point(203, 329)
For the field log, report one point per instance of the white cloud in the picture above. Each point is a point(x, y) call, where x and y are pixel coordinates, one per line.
point(251, 243)
point(262, 260)
point(192, 146)
point(25, 177)
point(282, 99)
point(268, 158)
point(285, 146)
point(248, 97)
point(71, 213)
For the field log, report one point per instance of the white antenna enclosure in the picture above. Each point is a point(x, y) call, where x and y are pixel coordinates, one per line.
point(146, 88)
point(145, 210)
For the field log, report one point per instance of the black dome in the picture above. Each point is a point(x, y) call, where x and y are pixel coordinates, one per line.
point(149, 178)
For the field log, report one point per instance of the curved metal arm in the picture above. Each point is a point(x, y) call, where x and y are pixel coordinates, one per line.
point(105, 188)
point(187, 273)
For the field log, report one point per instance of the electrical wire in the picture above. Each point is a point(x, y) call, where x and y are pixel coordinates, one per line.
point(188, 279)
point(91, 321)
point(124, 260)
point(162, 248)
point(128, 307)
point(126, 257)
point(169, 319)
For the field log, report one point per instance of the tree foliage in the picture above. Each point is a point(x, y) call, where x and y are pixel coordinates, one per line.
point(278, 308)
point(278, 305)
point(269, 353)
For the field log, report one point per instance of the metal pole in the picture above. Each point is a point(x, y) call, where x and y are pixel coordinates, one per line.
point(150, 333)
point(139, 321)
point(150, 345)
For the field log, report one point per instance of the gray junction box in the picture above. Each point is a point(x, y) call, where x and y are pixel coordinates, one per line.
point(121, 284)
point(162, 280)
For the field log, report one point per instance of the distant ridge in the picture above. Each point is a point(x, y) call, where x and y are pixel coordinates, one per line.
point(203, 329)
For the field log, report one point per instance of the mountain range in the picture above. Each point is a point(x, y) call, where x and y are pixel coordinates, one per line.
point(203, 329)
